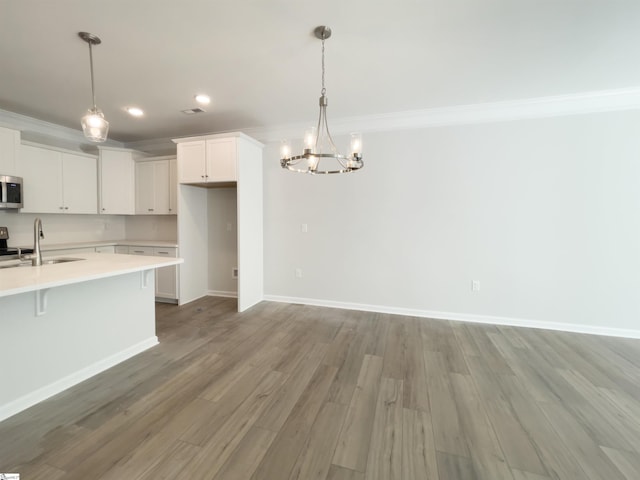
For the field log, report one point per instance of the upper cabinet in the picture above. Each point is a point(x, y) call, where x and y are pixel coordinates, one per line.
point(156, 186)
point(116, 180)
point(9, 147)
point(207, 160)
point(57, 181)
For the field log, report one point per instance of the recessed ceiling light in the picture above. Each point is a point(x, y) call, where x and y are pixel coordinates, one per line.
point(203, 99)
point(135, 111)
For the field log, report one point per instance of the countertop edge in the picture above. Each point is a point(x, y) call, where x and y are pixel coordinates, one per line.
point(98, 267)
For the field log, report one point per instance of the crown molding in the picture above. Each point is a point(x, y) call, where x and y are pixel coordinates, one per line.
point(531, 108)
point(39, 131)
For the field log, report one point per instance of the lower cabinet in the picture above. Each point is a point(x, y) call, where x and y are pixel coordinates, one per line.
point(166, 277)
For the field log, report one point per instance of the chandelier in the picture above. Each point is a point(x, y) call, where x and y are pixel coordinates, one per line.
point(320, 154)
point(94, 125)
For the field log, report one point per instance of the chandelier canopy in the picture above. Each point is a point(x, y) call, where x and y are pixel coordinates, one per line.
point(94, 125)
point(320, 154)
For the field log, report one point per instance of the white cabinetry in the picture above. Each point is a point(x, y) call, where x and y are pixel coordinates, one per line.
point(173, 186)
point(9, 147)
point(116, 176)
point(212, 160)
point(224, 160)
point(57, 181)
point(166, 277)
point(155, 187)
point(106, 249)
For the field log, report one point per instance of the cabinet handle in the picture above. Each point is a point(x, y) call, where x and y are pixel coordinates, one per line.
point(61, 208)
point(150, 209)
point(163, 253)
point(103, 209)
point(138, 251)
point(66, 208)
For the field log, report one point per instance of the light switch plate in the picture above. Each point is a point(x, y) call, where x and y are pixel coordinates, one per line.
point(4, 233)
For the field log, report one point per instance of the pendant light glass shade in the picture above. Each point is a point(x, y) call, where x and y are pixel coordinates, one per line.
point(94, 125)
point(320, 154)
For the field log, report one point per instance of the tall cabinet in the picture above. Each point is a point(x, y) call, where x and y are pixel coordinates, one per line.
point(217, 161)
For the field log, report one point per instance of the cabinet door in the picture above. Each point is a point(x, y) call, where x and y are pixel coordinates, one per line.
point(106, 249)
point(221, 160)
point(166, 277)
point(145, 188)
point(122, 249)
point(173, 187)
point(9, 146)
point(116, 182)
point(80, 184)
point(192, 162)
point(41, 170)
point(161, 187)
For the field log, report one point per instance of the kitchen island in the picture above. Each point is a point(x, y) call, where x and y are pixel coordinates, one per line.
point(63, 323)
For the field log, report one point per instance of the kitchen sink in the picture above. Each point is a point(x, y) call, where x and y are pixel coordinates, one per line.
point(27, 263)
point(53, 261)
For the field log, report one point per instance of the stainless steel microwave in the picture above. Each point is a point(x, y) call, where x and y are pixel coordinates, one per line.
point(11, 195)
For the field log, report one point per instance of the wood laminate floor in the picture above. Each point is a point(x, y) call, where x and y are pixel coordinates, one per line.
point(285, 392)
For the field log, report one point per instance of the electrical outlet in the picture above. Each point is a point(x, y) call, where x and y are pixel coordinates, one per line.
point(475, 285)
point(298, 273)
point(4, 233)
point(304, 228)
point(234, 272)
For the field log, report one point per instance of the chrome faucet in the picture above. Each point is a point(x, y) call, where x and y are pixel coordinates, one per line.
point(36, 261)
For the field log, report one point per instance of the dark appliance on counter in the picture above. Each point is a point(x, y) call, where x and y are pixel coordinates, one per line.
point(11, 192)
point(6, 250)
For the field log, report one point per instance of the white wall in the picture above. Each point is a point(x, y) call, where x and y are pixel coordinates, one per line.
point(222, 240)
point(544, 213)
point(151, 227)
point(62, 228)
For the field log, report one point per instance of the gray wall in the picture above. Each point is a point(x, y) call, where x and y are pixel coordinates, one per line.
point(544, 213)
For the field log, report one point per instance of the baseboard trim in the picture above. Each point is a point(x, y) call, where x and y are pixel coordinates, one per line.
point(463, 317)
point(37, 396)
point(221, 293)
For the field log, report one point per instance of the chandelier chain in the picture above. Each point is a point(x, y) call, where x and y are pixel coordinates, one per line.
point(324, 90)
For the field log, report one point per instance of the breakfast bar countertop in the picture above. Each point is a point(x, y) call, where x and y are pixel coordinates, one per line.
point(90, 266)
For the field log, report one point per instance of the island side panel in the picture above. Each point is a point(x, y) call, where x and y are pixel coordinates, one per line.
point(87, 328)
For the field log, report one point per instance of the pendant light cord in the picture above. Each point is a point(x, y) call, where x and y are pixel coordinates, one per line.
point(93, 90)
point(324, 90)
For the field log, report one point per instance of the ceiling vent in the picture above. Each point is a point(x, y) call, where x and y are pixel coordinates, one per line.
point(192, 111)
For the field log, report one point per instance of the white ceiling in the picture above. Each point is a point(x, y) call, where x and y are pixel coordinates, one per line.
point(260, 63)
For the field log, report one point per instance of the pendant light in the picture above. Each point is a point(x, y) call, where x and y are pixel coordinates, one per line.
point(320, 154)
point(94, 125)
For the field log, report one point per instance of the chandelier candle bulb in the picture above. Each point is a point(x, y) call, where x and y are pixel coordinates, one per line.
point(356, 145)
point(310, 139)
point(285, 149)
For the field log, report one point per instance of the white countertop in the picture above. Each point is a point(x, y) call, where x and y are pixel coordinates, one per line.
point(105, 243)
point(93, 266)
